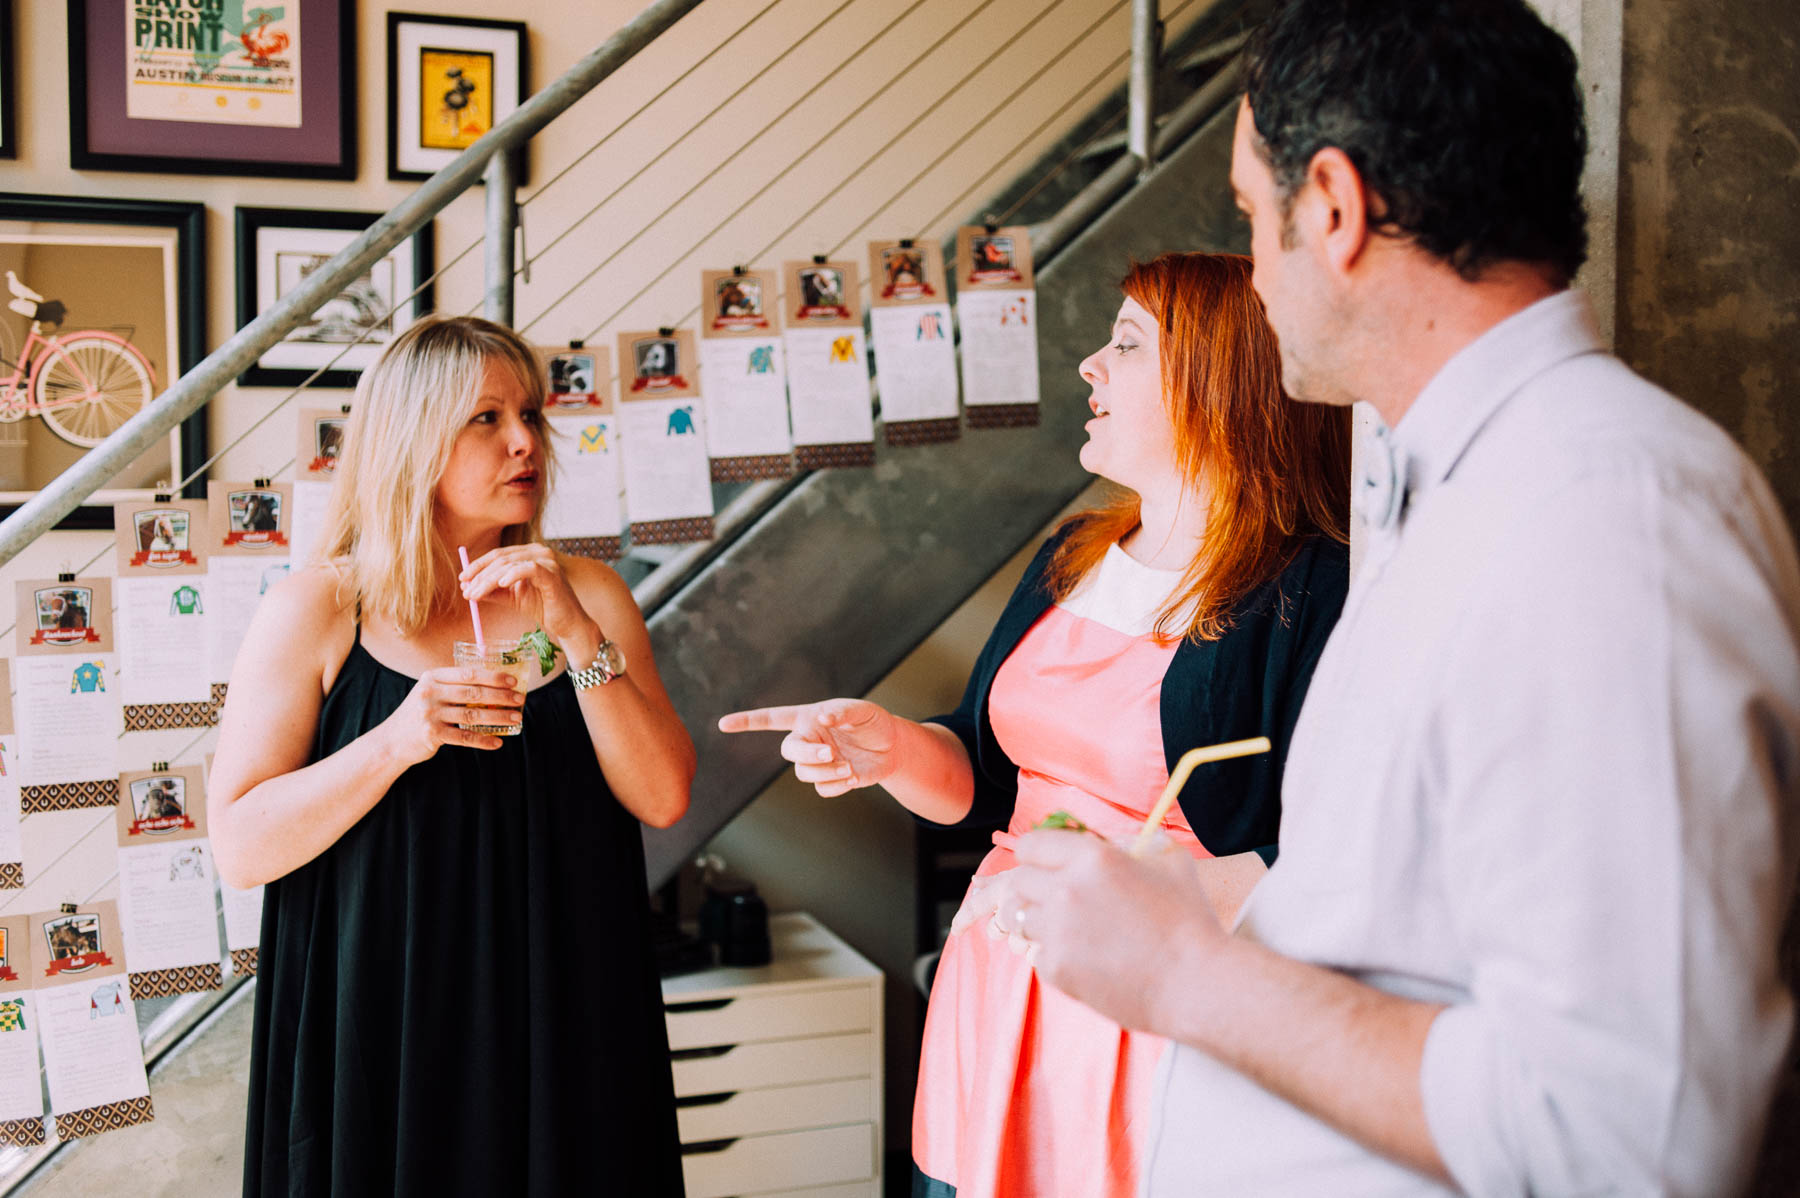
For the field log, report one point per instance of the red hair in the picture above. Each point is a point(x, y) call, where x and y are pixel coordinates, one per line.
point(1273, 470)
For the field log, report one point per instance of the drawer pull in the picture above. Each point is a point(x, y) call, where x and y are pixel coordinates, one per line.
point(706, 1099)
point(707, 1146)
point(696, 1054)
point(704, 1004)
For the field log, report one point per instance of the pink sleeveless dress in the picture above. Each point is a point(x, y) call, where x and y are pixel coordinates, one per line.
point(1023, 1091)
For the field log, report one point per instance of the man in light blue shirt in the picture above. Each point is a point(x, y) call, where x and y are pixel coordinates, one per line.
point(1538, 836)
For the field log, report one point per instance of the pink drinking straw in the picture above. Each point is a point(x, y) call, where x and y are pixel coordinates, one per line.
point(474, 611)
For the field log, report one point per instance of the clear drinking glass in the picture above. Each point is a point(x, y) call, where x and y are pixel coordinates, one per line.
point(500, 655)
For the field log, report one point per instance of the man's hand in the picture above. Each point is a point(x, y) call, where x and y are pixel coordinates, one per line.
point(1108, 928)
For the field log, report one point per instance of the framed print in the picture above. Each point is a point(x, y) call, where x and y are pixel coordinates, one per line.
point(278, 247)
point(450, 80)
point(105, 306)
point(227, 87)
point(9, 92)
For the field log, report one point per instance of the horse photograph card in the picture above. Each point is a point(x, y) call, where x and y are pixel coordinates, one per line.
point(996, 310)
point(830, 404)
point(668, 481)
point(915, 343)
point(744, 374)
point(163, 614)
point(21, 1078)
point(166, 906)
point(93, 1058)
point(584, 514)
point(318, 442)
point(249, 543)
point(66, 672)
point(12, 846)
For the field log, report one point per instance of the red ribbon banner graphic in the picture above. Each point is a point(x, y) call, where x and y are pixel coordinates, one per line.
point(80, 964)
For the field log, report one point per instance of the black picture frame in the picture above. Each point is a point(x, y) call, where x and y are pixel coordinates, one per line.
point(397, 22)
point(250, 224)
point(102, 136)
point(188, 220)
point(9, 89)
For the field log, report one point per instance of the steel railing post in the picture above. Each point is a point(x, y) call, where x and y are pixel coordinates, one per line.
point(502, 221)
point(1141, 95)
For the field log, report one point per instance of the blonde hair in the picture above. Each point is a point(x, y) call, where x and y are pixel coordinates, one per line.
point(379, 530)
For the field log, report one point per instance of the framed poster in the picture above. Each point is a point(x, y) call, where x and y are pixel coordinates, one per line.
point(228, 87)
point(278, 247)
point(450, 80)
point(9, 103)
point(119, 287)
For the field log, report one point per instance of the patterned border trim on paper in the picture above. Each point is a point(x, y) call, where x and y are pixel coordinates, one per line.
point(673, 532)
point(243, 962)
point(185, 979)
point(831, 457)
point(68, 796)
point(218, 698)
point(12, 877)
point(111, 1116)
point(26, 1133)
point(606, 549)
point(153, 717)
point(1003, 415)
point(923, 432)
point(744, 469)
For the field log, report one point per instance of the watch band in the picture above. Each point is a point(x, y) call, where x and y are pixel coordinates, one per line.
point(602, 671)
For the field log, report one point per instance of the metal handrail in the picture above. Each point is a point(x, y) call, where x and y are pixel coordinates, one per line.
point(193, 389)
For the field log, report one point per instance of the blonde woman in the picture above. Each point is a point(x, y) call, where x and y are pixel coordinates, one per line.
point(455, 991)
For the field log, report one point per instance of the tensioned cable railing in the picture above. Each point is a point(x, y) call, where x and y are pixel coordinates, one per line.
point(280, 404)
point(184, 1016)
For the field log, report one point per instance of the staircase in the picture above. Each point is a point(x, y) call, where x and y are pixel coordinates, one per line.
point(882, 555)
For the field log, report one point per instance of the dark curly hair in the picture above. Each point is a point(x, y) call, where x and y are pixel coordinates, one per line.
point(1464, 118)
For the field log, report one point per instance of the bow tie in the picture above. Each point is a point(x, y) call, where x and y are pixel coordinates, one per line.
point(1380, 494)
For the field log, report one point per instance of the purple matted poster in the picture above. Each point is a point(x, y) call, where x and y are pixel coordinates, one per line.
point(299, 127)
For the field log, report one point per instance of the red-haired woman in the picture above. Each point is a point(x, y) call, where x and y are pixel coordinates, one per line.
point(1188, 611)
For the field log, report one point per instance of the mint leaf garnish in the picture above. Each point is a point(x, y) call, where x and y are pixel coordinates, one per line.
point(538, 641)
point(1062, 819)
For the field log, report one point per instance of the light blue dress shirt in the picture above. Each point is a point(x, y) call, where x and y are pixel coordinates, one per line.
point(1546, 774)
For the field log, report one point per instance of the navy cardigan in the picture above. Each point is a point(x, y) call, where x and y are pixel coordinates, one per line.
point(1249, 682)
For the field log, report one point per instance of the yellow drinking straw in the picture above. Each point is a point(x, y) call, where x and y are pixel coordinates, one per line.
point(1178, 779)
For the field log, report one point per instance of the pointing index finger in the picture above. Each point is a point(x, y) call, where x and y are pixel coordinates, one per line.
point(760, 719)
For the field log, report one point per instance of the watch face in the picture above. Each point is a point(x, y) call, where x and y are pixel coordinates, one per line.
point(612, 657)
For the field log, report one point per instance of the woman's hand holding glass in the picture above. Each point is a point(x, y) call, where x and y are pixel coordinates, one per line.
point(444, 698)
point(837, 745)
point(532, 577)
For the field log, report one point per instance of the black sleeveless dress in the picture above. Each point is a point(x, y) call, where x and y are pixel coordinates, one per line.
point(459, 996)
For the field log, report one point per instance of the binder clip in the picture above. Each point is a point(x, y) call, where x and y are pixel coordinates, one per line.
point(665, 331)
point(818, 259)
point(68, 908)
point(737, 272)
point(259, 482)
point(906, 243)
point(159, 767)
point(577, 343)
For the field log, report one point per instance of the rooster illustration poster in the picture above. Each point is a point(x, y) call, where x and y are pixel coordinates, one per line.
point(229, 62)
point(456, 97)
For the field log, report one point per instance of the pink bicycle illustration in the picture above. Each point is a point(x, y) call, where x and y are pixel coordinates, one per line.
point(85, 384)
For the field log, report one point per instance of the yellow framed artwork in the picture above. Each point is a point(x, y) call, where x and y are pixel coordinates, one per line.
point(450, 81)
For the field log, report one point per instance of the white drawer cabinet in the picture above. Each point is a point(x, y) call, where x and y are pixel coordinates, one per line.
point(778, 1071)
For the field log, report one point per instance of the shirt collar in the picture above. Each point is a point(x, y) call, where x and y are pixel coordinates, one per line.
point(1469, 388)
